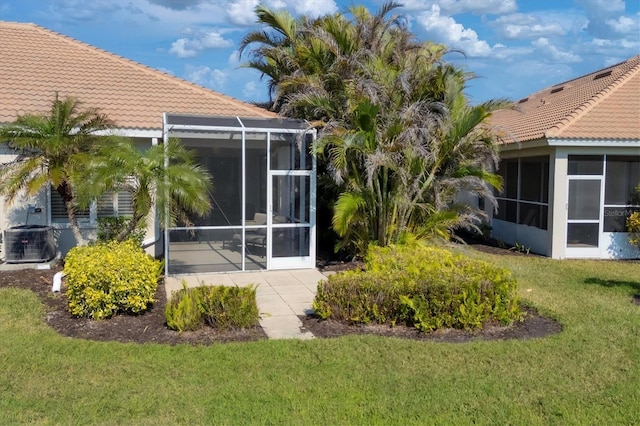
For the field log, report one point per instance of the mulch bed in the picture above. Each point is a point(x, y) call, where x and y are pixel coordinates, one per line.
point(533, 326)
point(150, 327)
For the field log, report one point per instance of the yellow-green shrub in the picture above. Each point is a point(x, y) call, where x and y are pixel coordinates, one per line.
point(633, 227)
point(105, 279)
point(219, 306)
point(426, 287)
point(230, 307)
point(183, 311)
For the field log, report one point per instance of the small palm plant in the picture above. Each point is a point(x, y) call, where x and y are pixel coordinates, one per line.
point(165, 177)
point(48, 148)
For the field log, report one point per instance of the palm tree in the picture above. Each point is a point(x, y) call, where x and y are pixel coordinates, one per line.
point(164, 177)
point(48, 147)
point(397, 133)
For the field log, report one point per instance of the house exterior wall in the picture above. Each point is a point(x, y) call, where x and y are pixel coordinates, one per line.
point(536, 239)
point(612, 245)
point(18, 213)
point(553, 241)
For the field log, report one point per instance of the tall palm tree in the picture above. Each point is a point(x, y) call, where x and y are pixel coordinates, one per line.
point(164, 177)
point(48, 147)
point(397, 133)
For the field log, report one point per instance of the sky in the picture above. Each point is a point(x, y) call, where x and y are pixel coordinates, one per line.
point(514, 47)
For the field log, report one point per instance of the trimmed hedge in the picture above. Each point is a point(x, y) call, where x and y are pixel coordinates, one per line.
point(223, 307)
point(425, 287)
point(105, 279)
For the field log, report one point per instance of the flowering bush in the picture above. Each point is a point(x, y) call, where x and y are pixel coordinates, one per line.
point(105, 279)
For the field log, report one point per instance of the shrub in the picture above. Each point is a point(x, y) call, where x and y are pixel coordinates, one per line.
point(223, 307)
point(633, 227)
point(105, 279)
point(109, 227)
point(230, 307)
point(633, 221)
point(183, 311)
point(426, 287)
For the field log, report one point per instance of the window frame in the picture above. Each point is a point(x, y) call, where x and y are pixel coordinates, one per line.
point(542, 221)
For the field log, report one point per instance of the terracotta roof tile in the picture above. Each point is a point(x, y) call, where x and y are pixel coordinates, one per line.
point(36, 62)
point(601, 105)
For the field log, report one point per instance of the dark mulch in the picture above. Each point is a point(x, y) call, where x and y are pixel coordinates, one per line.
point(149, 327)
point(533, 325)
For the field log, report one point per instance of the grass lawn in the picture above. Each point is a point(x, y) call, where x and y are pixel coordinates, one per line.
point(588, 374)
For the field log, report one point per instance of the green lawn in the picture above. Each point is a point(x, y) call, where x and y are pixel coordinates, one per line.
point(588, 374)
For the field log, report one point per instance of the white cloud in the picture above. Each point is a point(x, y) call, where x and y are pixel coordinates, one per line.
point(312, 8)
point(234, 59)
point(454, 7)
point(523, 26)
point(181, 50)
point(536, 30)
point(205, 76)
point(553, 53)
point(607, 19)
point(250, 90)
point(190, 47)
point(620, 47)
point(510, 54)
point(455, 35)
point(598, 7)
point(625, 24)
point(241, 12)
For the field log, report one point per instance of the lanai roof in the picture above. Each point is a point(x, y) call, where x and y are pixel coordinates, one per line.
point(35, 63)
point(603, 105)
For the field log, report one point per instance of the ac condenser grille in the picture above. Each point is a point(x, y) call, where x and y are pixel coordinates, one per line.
point(29, 243)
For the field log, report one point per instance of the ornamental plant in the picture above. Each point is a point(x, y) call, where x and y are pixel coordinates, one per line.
point(633, 226)
point(421, 286)
point(218, 306)
point(106, 279)
point(633, 221)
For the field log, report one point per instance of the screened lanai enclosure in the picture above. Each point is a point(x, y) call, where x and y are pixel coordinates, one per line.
point(264, 195)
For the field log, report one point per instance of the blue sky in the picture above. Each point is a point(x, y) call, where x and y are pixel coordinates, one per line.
point(515, 47)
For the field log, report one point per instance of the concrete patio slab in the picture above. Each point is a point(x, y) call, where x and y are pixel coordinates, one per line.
point(284, 327)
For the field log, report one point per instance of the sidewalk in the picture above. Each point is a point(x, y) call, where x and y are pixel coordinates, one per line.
point(281, 296)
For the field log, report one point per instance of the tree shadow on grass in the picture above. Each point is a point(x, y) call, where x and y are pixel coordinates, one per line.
point(633, 285)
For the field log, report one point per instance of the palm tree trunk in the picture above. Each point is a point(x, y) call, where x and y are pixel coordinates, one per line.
point(73, 222)
point(131, 226)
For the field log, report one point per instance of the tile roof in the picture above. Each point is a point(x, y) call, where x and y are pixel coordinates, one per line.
point(602, 105)
point(36, 62)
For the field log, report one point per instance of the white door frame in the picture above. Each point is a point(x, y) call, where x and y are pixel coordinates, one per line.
point(585, 251)
point(293, 262)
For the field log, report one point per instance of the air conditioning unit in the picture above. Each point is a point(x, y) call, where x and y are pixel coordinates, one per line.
point(29, 243)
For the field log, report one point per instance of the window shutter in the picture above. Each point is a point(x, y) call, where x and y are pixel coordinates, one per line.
point(59, 211)
point(125, 204)
point(105, 205)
